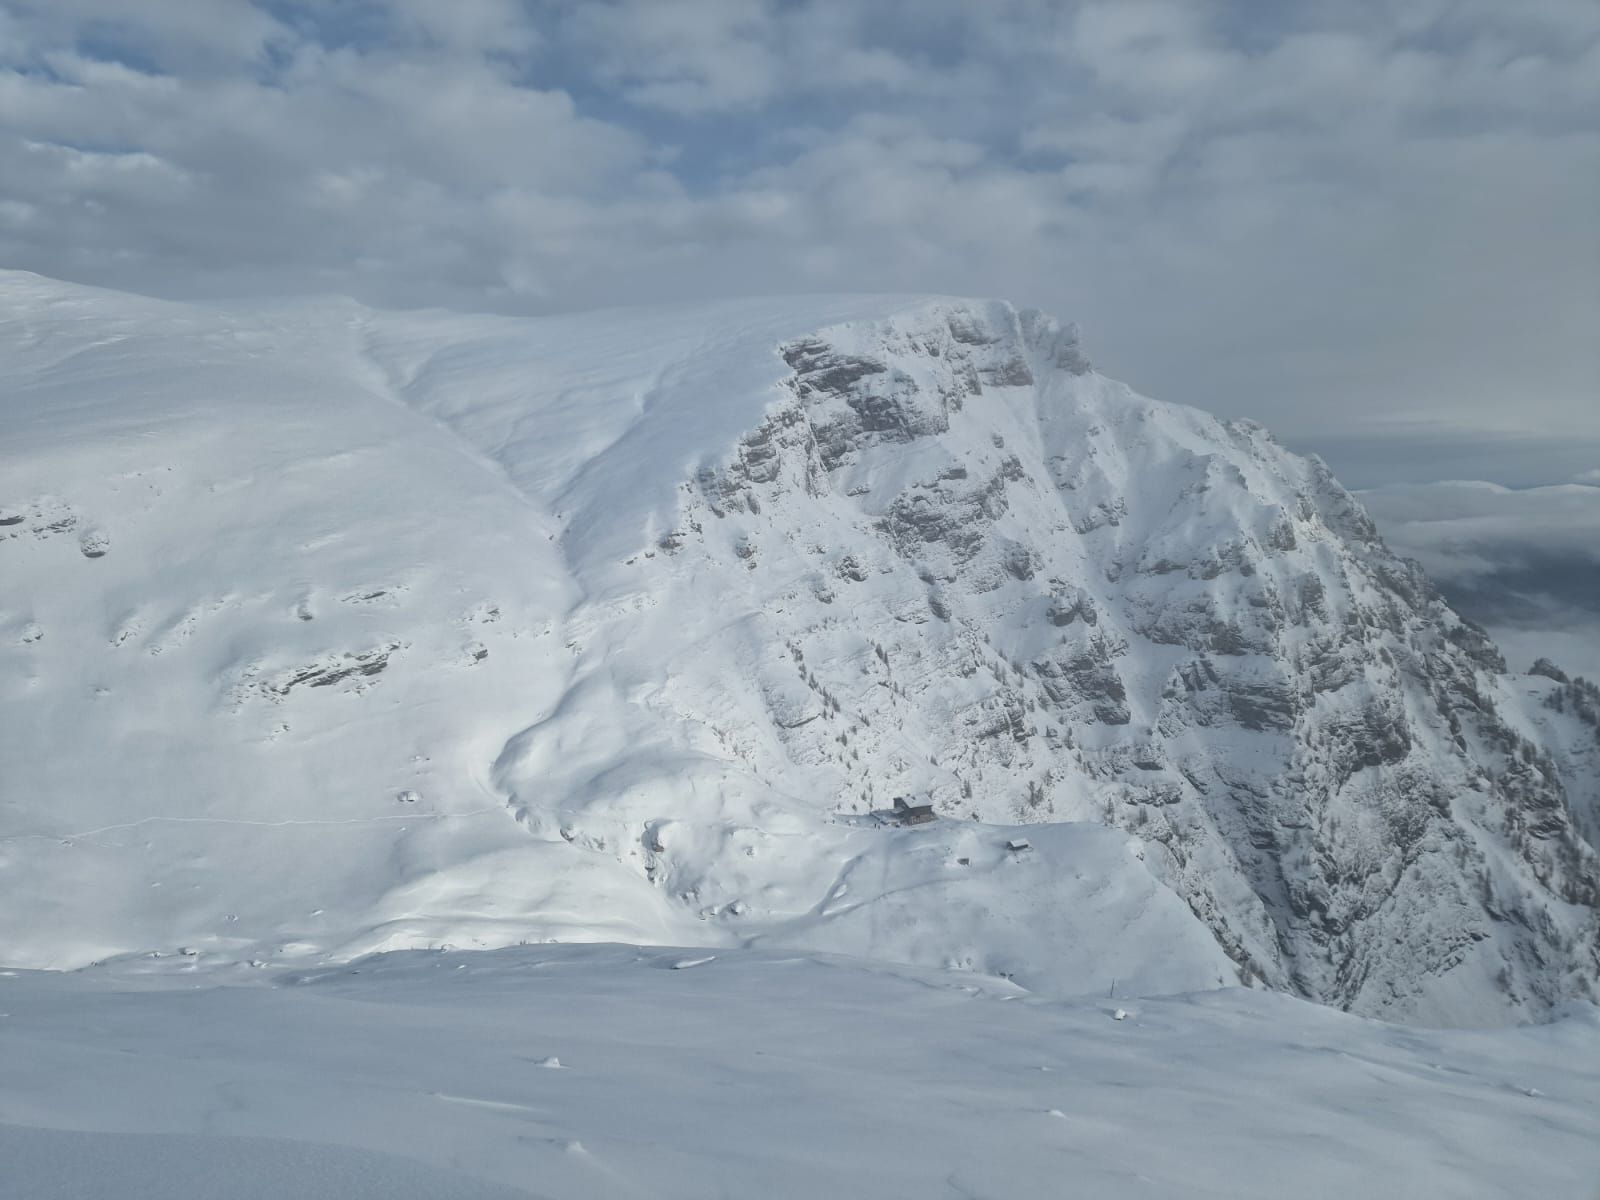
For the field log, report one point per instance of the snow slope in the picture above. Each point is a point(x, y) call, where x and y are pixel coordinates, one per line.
point(329, 631)
point(270, 632)
point(600, 1071)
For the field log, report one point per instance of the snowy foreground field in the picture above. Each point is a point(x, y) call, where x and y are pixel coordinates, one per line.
point(350, 661)
point(608, 1071)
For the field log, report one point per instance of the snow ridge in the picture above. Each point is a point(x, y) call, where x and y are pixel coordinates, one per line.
point(342, 631)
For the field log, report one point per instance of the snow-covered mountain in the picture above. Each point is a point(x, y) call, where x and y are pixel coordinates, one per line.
point(327, 630)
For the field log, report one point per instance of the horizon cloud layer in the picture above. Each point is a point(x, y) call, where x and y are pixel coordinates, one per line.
point(1324, 219)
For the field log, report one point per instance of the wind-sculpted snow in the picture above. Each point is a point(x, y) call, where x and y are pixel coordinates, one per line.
point(336, 631)
point(601, 1072)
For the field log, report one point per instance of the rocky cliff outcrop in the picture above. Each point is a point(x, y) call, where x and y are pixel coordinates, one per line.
point(1037, 596)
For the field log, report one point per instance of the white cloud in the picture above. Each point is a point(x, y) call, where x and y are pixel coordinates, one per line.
point(1305, 214)
point(470, 26)
point(1525, 562)
point(1464, 527)
point(194, 39)
point(689, 56)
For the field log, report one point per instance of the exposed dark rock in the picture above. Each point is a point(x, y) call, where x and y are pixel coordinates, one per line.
point(363, 665)
point(1261, 706)
point(1549, 670)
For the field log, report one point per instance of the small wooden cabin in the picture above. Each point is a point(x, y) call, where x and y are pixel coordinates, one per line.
point(912, 814)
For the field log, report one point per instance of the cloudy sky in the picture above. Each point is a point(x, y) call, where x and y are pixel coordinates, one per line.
point(1523, 561)
point(1371, 224)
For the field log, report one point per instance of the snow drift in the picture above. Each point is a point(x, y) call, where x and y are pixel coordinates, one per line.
point(601, 1072)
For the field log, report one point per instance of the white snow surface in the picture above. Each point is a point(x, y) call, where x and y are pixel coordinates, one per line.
point(319, 486)
point(327, 631)
point(335, 644)
point(604, 1072)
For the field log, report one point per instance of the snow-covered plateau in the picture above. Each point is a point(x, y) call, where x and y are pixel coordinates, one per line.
point(328, 632)
point(603, 1072)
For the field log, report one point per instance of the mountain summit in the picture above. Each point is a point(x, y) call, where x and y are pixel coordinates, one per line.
point(328, 630)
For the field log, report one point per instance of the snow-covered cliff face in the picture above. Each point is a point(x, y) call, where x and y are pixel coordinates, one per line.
point(954, 562)
point(690, 596)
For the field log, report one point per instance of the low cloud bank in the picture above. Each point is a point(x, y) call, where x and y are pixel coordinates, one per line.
point(1524, 562)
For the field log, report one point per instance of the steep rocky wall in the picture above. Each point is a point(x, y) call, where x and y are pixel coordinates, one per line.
point(1030, 594)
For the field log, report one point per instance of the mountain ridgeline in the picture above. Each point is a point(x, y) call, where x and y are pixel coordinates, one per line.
point(333, 630)
point(1085, 605)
